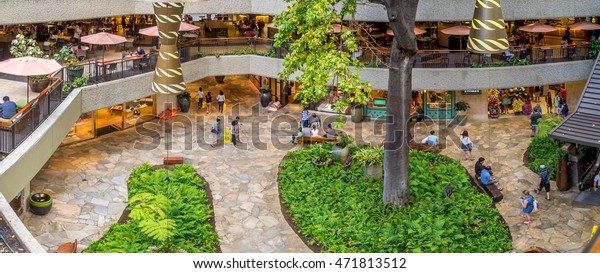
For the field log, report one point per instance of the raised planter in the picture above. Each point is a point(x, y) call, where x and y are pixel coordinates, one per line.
point(184, 104)
point(340, 153)
point(357, 113)
point(265, 97)
point(373, 171)
point(40, 203)
point(38, 86)
point(74, 73)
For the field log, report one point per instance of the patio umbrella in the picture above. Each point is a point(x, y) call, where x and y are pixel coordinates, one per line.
point(585, 25)
point(457, 30)
point(337, 28)
point(537, 27)
point(103, 38)
point(153, 31)
point(29, 66)
point(418, 31)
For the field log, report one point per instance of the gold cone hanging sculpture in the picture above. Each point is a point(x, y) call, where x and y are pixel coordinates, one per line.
point(168, 75)
point(488, 33)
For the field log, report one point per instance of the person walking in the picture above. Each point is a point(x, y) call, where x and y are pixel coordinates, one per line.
point(564, 109)
point(234, 131)
point(527, 204)
point(305, 116)
point(200, 98)
point(221, 100)
point(534, 121)
point(466, 145)
point(544, 181)
point(549, 102)
point(216, 129)
point(208, 102)
point(557, 104)
point(238, 132)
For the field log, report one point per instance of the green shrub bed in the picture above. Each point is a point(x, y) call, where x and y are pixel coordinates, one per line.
point(545, 150)
point(341, 211)
point(169, 212)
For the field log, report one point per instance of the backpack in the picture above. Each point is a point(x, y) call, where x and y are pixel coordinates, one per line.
point(213, 129)
point(545, 175)
point(536, 204)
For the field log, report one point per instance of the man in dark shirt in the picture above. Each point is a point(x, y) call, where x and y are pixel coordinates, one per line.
point(8, 108)
point(479, 166)
point(534, 122)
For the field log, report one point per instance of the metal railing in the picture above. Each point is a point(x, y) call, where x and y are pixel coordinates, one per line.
point(99, 70)
point(30, 117)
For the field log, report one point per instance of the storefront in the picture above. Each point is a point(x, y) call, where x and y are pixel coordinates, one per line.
point(438, 104)
point(111, 119)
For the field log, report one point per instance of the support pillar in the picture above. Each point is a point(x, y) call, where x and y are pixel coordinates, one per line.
point(168, 75)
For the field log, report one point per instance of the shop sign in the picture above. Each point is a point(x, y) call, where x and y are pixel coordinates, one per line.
point(471, 92)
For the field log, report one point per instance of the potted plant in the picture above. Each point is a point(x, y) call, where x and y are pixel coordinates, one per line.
point(66, 56)
point(22, 46)
point(357, 103)
point(594, 49)
point(372, 159)
point(77, 82)
point(183, 100)
point(40, 203)
point(461, 108)
point(341, 149)
point(220, 79)
point(265, 97)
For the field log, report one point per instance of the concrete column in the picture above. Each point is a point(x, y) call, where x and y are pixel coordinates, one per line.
point(168, 75)
point(478, 105)
point(574, 91)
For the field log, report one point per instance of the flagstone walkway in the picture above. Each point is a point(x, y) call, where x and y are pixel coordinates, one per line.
point(88, 180)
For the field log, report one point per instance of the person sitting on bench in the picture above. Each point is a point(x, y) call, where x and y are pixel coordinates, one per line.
point(487, 178)
point(8, 109)
point(299, 134)
point(431, 139)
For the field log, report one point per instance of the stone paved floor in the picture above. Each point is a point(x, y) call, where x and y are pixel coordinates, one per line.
point(243, 179)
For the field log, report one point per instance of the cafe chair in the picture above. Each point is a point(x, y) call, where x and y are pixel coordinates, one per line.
point(144, 63)
point(111, 68)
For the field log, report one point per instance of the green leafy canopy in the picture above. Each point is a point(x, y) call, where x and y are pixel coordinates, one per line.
point(317, 51)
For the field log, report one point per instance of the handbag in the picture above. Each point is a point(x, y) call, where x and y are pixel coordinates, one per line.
point(470, 145)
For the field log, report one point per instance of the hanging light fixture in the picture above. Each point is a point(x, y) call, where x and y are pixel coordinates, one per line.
point(488, 32)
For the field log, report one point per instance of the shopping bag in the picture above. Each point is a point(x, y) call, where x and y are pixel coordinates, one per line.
point(224, 107)
point(203, 104)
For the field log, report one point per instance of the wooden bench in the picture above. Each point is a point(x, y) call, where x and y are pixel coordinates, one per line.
point(172, 160)
point(489, 189)
point(424, 147)
point(314, 139)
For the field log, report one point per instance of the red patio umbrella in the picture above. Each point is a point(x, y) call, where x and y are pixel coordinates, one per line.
point(153, 31)
point(537, 27)
point(29, 66)
point(585, 25)
point(418, 31)
point(337, 28)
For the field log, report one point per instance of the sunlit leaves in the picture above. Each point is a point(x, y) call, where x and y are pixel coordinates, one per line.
point(306, 28)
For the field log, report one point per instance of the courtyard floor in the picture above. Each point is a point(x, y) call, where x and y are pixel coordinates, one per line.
point(88, 180)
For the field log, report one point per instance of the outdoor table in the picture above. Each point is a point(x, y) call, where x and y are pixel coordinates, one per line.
point(135, 59)
point(103, 64)
point(190, 35)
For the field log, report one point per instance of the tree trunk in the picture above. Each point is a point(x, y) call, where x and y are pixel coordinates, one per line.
point(401, 14)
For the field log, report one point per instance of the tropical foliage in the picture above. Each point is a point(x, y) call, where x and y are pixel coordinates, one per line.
point(342, 211)
point(169, 212)
point(22, 46)
point(545, 150)
point(319, 53)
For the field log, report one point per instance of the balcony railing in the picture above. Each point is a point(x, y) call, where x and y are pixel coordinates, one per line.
point(14, 131)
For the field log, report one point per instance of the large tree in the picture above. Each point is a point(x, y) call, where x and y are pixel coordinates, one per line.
point(316, 53)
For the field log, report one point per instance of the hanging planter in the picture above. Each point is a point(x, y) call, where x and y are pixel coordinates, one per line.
point(40, 203)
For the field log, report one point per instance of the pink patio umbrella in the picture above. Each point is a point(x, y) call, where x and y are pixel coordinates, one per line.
point(29, 66)
point(153, 31)
point(537, 27)
point(457, 30)
point(585, 25)
point(418, 31)
point(103, 38)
